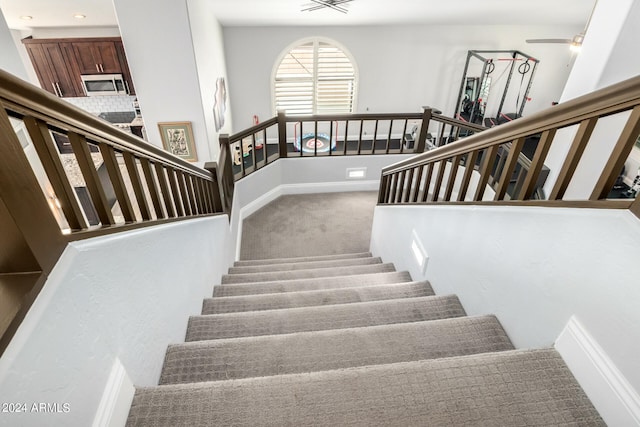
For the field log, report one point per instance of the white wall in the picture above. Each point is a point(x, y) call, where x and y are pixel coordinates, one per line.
point(125, 296)
point(605, 59)
point(210, 62)
point(10, 60)
point(533, 267)
point(160, 51)
point(401, 68)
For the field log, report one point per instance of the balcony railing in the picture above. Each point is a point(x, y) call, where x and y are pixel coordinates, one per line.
point(67, 175)
point(333, 135)
point(488, 167)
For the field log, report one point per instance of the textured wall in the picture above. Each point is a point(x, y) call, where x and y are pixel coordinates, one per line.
point(533, 267)
point(124, 296)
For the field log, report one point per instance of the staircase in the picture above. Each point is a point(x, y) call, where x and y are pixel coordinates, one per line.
point(347, 340)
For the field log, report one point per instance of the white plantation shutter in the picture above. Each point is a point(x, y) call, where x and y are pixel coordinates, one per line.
point(315, 78)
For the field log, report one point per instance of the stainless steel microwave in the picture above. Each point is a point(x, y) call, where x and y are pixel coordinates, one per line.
point(104, 84)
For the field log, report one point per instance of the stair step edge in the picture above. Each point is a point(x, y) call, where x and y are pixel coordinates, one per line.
point(307, 265)
point(308, 273)
point(310, 298)
point(242, 263)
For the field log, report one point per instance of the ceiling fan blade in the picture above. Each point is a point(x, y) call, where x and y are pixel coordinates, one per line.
point(319, 4)
point(565, 41)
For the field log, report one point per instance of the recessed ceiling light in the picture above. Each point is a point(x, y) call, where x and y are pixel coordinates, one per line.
point(79, 16)
point(26, 17)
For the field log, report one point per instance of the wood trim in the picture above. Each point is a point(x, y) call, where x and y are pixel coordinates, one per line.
point(50, 159)
point(583, 204)
point(452, 176)
point(27, 100)
point(509, 166)
point(282, 136)
point(469, 167)
point(537, 163)
point(119, 228)
point(489, 158)
point(186, 203)
point(152, 186)
point(635, 207)
point(115, 175)
point(192, 195)
point(442, 165)
point(173, 184)
point(418, 183)
point(23, 196)
point(576, 151)
point(427, 182)
point(85, 162)
point(136, 183)
point(164, 188)
point(609, 100)
point(618, 156)
point(71, 40)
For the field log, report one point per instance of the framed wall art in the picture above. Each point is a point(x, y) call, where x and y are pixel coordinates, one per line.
point(177, 138)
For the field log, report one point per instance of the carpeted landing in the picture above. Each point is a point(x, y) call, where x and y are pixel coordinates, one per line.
point(345, 340)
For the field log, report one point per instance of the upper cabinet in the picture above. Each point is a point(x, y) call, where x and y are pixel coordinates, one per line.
point(53, 63)
point(97, 57)
point(59, 63)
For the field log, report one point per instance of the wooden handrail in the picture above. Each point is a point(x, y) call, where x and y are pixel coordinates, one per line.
point(496, 158)
point(610, 100)
point(149, 185)
point(359, 143)
point(22, 98)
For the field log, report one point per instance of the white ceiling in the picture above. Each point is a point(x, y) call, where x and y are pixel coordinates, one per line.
point(59, 13)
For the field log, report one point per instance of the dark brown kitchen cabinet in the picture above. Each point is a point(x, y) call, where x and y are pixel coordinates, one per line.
point(60, 63)
point(97, 57)
point(126, 73)
point(54, 67)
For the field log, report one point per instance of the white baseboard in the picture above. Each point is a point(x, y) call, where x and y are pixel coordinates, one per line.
point(615, 399)
point(116, 398)
point(319, 187)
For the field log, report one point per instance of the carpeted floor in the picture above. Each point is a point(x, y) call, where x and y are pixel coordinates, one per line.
point(310, 224)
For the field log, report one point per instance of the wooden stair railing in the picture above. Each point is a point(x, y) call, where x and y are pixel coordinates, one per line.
point(51, 192)
point(492, 159)
point(352, 134)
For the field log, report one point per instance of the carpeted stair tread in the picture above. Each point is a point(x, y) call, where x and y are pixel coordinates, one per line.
point(312, 284)
point(315, 298)
point(285, 321)
point(306, 274)
point(326, 350)
point(304, 265)
point(511, 388)
point(245, 263)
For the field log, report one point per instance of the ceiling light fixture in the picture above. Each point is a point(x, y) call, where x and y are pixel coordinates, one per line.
point(576, 42)
point(79, 16)
point(26, 17)
point(331, 4)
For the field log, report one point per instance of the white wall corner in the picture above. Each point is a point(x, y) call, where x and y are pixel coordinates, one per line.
point(116, 398)
point(615, 399)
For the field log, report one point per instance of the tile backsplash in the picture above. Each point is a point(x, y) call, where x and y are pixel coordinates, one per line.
point(103, 104)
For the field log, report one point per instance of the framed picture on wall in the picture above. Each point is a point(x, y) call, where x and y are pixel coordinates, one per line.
point(177, 138)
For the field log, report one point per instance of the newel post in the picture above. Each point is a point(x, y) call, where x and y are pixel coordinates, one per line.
point(215, 188)
point(424, 130)
point(282, 134)
point(635, 207)
point(225, 174)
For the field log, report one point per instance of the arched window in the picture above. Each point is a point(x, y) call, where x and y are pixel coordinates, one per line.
point(315, 77)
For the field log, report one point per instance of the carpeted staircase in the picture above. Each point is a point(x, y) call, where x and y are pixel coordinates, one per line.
point(347, 340)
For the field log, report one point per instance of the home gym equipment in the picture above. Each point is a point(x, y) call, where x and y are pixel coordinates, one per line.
point(486, 89)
